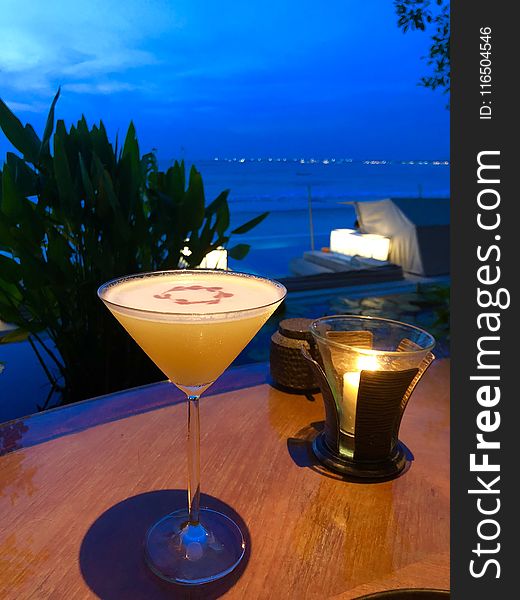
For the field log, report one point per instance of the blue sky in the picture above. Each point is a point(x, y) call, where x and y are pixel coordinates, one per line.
point(228, 78)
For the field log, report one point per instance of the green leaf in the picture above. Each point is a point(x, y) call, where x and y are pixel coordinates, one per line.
point(223, 218)
point(175, 182)
point(23, 138)
point(7, 240)
point(10, 292)
point(11, 201)
point(18, 335)
point(107, 188)
point(26, 179)
point(219, 201)
point(131, 175)
point(9, 269)
point(250, 224)
point(131, 146)
point(17, 210)
point(87, 184)
point(35, 273)
point(205, 236)
point(49, 126)
point(61, 166)
point(149, 164)
point(59, 252)
point(194, 203)
point(102, 147)
point(239, 251)
point(8, 312)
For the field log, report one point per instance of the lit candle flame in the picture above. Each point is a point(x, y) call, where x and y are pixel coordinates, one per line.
point(351, 380)
point(367, 363)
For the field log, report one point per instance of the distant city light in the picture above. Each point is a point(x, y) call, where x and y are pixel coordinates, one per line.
point(333, 161)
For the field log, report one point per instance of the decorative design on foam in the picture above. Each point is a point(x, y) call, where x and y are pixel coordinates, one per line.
point(217, 294)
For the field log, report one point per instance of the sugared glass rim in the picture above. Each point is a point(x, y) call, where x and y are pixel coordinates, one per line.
point(117, 280)
point(370, 351)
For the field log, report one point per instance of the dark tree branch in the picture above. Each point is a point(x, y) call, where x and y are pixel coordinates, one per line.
point(433, 15)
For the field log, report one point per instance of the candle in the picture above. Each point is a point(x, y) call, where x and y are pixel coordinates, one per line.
point(350, 391)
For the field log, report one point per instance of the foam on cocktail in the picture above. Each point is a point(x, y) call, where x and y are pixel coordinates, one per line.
point(193, 293)
point(193, 325)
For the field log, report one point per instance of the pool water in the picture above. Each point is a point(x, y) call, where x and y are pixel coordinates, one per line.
point(427, 307)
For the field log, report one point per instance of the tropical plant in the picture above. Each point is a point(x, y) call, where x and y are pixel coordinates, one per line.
point(430, 14)
point(78, 215)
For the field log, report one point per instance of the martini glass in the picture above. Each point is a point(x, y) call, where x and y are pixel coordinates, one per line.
point(193, 324)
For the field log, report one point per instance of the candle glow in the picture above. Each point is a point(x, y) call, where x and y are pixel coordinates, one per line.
point(350, 391)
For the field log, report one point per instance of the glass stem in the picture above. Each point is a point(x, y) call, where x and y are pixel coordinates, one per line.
point(193, 459)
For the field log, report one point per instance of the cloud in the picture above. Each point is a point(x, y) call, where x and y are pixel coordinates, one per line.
point(108, 87)
point(34, 107)
point(62, 43)
point(113, 62)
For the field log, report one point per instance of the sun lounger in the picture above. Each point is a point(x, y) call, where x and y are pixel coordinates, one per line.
point(327, 270)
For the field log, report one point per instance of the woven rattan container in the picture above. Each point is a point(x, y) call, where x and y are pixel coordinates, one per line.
point(289, 369)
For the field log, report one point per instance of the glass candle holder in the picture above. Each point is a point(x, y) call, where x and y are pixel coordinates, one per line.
point(367, 369)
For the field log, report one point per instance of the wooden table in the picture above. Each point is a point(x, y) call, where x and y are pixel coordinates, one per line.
point(79, 486)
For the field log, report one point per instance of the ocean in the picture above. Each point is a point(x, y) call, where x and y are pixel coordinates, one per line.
point(283, 187)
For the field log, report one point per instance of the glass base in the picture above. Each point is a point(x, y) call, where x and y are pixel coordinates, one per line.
point(386, 469)
point(187, 554)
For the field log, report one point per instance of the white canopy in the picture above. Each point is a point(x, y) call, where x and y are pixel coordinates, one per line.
point(419, 229)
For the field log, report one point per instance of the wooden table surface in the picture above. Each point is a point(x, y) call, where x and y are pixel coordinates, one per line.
point(79, 487)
